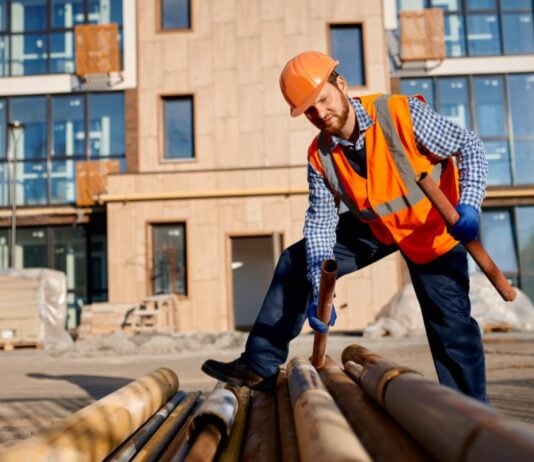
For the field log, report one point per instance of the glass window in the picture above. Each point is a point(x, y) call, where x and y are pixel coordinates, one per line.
point(480, 5)
point(63, 182)
point(29, 54)
point(34, 180)
point(4, 185)
point(497, 235)
point(524, 162)
point(514, 5)
point(179, 133)
point(62, 53)
point(31, 248)
point(104, 12)
point(4, 249)
point(4, 56)
point(28, 15)
point(499, 167)
point(67, 13)
point(422, 87)
point(169, 273)
point(68, 127)
point(106, 124)
point(70, 255)
point(483, 35)
point(518, 33)
point(447, 5)
point(98, 266)
point(525, 241)
point(521, 96)
point(31, 111)
point(3, 15)
point(454, 35)
point(454, 100)
point(489, 103)
point(347, 48)
point(3, 129)
point(175, 14)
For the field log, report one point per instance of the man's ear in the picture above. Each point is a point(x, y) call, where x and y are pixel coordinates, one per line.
point(342, 84)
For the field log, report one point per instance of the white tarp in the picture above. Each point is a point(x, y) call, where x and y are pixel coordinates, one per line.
point(51, 304)
point(401, 316)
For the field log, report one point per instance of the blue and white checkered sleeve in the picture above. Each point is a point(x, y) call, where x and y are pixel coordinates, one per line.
point(319, 227)
point(443, 138)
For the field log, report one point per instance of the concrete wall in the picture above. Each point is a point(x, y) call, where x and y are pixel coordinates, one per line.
point(249, 174)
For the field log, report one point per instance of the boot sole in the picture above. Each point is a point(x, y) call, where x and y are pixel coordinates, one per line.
point(223, 377)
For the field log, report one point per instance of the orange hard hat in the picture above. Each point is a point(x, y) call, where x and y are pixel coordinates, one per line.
point(303, 78)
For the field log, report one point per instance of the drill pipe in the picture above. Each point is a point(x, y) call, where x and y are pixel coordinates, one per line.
point(128, 449)
point(155, 446)
point(382, 437)
point(206, 444)
point(323, 433)
point(451, 426)
point(94, 431)
point(232, 448)
point(286, 423)
point(324, 309)
point(261, 439)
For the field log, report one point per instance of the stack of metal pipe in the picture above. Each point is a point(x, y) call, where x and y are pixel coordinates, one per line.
point(370, 410)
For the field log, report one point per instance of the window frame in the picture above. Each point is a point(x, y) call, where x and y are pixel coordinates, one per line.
point(163, 131)
point(360, 26)
point(160, 19)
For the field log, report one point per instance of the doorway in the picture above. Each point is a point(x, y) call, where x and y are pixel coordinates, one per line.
point(253, 261)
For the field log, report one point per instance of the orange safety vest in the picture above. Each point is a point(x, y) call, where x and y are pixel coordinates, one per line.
point(389, 199)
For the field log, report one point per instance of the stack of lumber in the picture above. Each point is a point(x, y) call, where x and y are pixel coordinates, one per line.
point(104, 318)
point(156, 314)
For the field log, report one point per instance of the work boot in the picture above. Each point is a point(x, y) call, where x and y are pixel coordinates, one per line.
point(237, 373)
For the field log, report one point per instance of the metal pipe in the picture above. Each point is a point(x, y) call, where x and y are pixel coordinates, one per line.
point(206, 444)
point(286, 423)
point(475, 249)
point(448, 424)
point(324, 309)
point(317, 416)
point(381, 436)
point(232, 448)
point(155, 446)
point(262, 443)
point(94, 431)
point(127, 450)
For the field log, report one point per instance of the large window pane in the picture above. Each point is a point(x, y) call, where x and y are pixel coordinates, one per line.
point(29, 54)
point(422, 87)
point(178, 128)
point(347, 48)
point(33, 179)
point(525, 240)
point(175, 14)
point(70, 255)
point(105, 12)
point(67, 13)
point(447, 5)
point(524, 162)
point(489, 103)
point(4, 56)
point(168, 259)
point(497, 236)
point(521, 95)
point(481, 5)
point(31, 111)
point(518, 33)
point(62, 53)
point(514, 5)
point(68, 128)
point(31, 248)
point(4, 249)
point(498, 163)
point(483, 35)
point(106, 124)
point(28, 15)
point(454, 35)
point(63, 182)
point(3, 15)
point(454, 100)
point(98, 266)
point(4, 184)
point(3, 128)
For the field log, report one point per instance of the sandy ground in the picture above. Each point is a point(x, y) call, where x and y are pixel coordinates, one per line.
point(38, 388)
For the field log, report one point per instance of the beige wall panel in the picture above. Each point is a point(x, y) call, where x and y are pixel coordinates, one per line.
point(249, 68)
point(176, 82)
point(204, 111)
point(201, 12)
point(273, 101)
point(226, 101)
point(272, 48)
point(227, 142)
point(149, 118)
point(251, 149)
point(374, 44)
point(205, 253)
point(273, 9)
point(298, 177)
point(250, 98)
point(249, 19)
point(146, 20)
point(200, 57)
point(296, 18)
point(254, 214)
point(224, 46)
point(209, 313)
point(174, 53)
point(346, 10)
point(150, 59)
point(223, 11)
point(205, 147)
point(149, 151)
point(299, 141)
point(276, 136)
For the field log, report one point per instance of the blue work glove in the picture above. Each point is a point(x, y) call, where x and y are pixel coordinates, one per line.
point(466, 228)
point(315, 323)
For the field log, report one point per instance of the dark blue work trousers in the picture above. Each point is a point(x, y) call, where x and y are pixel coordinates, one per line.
point(442, 288)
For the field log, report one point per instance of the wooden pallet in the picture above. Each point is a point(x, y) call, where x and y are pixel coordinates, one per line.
point(10, 346)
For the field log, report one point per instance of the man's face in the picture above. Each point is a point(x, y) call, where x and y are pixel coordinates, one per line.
point(330, 112)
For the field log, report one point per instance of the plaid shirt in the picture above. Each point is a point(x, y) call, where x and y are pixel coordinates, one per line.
point(435, 134)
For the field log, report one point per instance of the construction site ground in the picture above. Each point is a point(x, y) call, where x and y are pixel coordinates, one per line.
point(39, 387)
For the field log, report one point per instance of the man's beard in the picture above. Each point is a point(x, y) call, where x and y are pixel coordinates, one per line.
point(338, 121)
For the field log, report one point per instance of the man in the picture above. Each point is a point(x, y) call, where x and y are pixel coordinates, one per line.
point(365, 158)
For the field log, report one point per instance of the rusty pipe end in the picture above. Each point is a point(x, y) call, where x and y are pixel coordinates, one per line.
point(329, 266)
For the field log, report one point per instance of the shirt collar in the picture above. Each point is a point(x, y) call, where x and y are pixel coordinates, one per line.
point(364, 122)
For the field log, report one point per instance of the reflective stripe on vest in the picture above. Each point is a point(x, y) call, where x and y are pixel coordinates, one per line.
point(414, 192)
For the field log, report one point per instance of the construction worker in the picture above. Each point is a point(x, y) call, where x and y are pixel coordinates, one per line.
point(364, 204)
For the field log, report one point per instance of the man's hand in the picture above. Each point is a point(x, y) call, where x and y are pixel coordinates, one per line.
point(466, 228)
point(315, 323)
